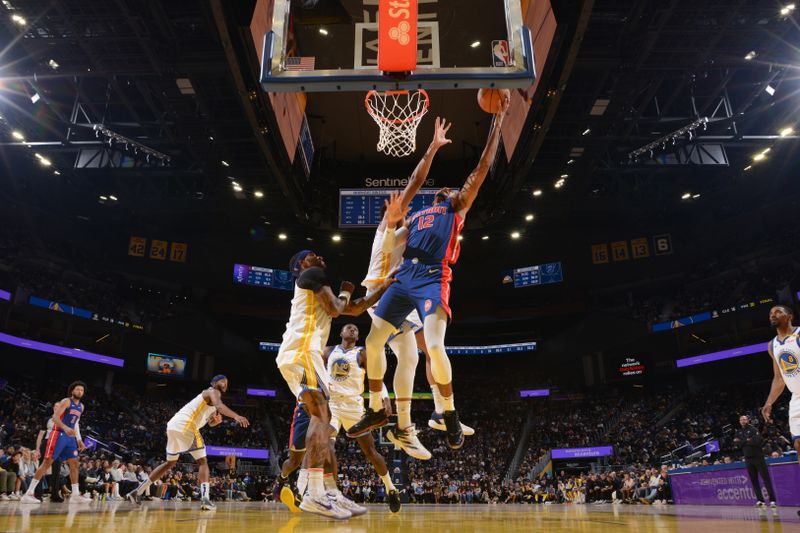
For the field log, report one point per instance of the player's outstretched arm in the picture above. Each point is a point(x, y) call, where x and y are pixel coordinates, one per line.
point(466, 196)
point(395, 212)
point(420, 173)
point(775, 390)
point(357, 307)
point(213, 397)
point(58, 412)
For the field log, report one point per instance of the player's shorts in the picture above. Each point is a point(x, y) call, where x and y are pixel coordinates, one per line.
point(61, 447)
point(412, 323)
point(344, 414)
point(306, 373)
point(794, 416)
point(419, 287)
point(180, 442)
point(297, 434)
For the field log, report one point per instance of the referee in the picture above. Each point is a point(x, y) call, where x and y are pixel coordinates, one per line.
point(749, 440)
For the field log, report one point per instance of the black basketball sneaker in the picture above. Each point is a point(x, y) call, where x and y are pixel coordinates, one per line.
point(394, 501)
point(455, 435)
point(371, 420)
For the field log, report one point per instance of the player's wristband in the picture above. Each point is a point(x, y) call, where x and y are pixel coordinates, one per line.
point(345, 295)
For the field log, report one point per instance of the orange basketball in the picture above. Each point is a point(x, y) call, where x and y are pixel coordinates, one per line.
point(490, 100)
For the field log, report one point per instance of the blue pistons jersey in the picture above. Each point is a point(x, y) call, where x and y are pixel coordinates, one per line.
point(423, 281)
point(433, 234)
point(61, 446)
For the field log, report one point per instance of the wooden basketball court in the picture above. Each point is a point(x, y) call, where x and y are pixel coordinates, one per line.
point(173, 517)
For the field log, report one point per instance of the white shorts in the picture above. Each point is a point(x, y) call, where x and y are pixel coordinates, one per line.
point(300, 377)
point(344, 414)
point(794, 416)
point(411, 323)
point(180, 442)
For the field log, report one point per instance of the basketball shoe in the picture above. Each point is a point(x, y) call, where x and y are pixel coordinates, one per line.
point(393, 499)
point(455, 436)
point(371, 420)
point(346, 503)
point(324, 506)
point(407, 440)
point(437, 422)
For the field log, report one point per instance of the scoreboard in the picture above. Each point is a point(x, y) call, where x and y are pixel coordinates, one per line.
point(361, 208)
point(538, 275)
point(262, 277)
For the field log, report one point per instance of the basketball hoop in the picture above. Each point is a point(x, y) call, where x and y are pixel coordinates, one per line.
point(397, 114)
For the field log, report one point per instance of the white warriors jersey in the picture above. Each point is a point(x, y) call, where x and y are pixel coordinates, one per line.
point(787, 357)
point(307, 330)
point(347, 377)
point(192, 416)
point(382, 263)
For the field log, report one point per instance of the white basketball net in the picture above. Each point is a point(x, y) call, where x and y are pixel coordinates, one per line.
point(397, 114)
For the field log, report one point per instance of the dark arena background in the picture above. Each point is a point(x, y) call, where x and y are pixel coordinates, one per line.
point(623, 271)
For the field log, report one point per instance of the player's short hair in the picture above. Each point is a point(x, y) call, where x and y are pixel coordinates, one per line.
point(76, 384)
point(786, 309)
point(218, 377)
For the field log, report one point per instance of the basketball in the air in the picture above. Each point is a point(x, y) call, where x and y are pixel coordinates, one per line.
point(491, 100)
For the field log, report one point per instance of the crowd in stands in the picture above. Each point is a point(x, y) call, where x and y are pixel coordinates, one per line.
point(130, 428)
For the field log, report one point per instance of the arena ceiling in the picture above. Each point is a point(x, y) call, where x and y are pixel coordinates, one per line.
point(178, 78)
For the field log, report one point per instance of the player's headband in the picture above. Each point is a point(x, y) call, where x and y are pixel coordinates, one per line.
point(218, 377)
point(294, 266)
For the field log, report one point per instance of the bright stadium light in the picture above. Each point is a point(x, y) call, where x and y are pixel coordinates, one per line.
point(282, 236)
point(485, 238)
point(529, 217)
point(19, 20)
point(785, 132)
point(225, 163)
point(18, 135)
point(237, 188)
point(258, 194)
point(515, 235)
point(686, 196)
point(323, 31)
point(537, 192)
point(336, 238)
point(460, 237)
point(475, 44)
point(750, 55)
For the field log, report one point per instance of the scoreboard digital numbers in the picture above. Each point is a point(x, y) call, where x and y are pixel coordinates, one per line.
point(262, 277)
point(538, 275)
point(361, 208)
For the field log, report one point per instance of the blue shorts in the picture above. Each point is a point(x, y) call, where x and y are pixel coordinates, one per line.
point(297, 435)
point(61, 447)
point(419, 286)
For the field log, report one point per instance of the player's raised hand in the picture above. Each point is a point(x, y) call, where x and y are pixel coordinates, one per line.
point(505, 103)
point(347, 286)
point(242, 421)
point(394, 209)
point(440, 133)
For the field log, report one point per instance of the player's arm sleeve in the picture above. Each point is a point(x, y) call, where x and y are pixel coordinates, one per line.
point(388, 240)
point(313, 279)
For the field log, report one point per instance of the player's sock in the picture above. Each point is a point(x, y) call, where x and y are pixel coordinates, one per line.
point(142, 488)
point(329, 483)
point(449, 403)
point(204, 490)
point(387, 482)
point(302, 481)
point(403, 414)
point(375, 401)
point(76, 490)
point(437, 399)
point(316, 487)
point(32, 487)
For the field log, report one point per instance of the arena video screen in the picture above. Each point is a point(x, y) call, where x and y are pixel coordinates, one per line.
point(582, 453)
point(256, 276)
point(166, 365)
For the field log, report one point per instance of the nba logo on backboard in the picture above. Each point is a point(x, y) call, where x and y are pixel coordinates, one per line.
point(500, 55)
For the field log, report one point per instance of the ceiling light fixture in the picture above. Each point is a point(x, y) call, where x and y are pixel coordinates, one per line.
point(686, 196)
point(258, 194)
point(750, 55)
point(515, 235)
point(19, 19)
point(476, 44)
point(586, 132)
point(323, 31)
point(52, 64)
point(237, 188)
point(336, 238)
point(785, 132)
point(225, 163)
point(112, 197)
point(485, 238)
point(537, 192)
point(282, 236)
point(528, 217)
point(18, 135)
